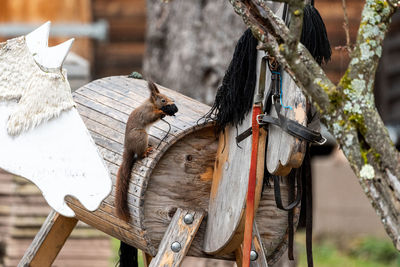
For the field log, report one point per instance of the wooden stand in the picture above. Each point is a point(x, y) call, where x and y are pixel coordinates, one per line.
point(48, 241)
point(177, 238)
point(172, 250)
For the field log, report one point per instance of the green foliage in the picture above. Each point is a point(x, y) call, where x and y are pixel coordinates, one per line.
point(115, 248)
point(374, 249)
point(359, 252)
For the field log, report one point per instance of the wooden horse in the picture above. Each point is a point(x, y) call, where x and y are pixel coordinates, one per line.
point(191, 175)
point(173, 183)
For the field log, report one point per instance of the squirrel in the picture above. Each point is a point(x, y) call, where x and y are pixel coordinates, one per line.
point(156, 107)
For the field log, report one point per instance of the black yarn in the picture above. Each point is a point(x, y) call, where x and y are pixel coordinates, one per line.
point(234, 97)
point(128, 255)
point(314, 36)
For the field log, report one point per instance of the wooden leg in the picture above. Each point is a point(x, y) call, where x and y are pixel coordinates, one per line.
point(48, 241)
point(258, 247)
point(239, 256)
point(146, 258)
point(180, 232)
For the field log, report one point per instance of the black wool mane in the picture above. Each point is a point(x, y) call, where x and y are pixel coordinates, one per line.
point(314, 36)
point(234, 97)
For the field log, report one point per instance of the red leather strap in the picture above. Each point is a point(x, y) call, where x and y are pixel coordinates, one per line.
point(248, 228)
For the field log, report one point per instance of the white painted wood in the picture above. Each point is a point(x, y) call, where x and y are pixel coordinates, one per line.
point(38, 39)
point(47, 57)
point(54, 57)
point(59, 155)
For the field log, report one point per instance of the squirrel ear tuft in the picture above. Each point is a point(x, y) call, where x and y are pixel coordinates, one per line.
point(153, 88)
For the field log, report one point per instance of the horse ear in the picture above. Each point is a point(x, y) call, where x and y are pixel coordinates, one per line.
point(153, 88)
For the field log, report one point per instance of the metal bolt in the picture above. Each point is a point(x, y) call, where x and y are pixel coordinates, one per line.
point(253, 255)
point(188, 219)
point(176, 247)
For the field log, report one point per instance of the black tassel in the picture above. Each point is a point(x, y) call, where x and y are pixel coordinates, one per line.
point(234, 97)
point(128, 255)
point(314, 36)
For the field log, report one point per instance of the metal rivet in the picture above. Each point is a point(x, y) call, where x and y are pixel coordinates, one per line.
point(253, 255)
point(176, 247)
point(188, 219)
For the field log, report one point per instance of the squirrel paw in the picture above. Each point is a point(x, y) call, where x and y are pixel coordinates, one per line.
point(148, 151)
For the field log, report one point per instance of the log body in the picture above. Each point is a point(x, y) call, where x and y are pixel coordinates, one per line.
point(178, 174)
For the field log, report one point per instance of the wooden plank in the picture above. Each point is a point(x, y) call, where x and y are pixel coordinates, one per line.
point(225, 220)
point(126, 84)
point(93, 92)
point(49, 241)
point(146, 258)
point(258, 246)
point(239, 256)
point(178, 231)
point(182, 120)
point(182, 178)
point(102, 222)
point(157, 131)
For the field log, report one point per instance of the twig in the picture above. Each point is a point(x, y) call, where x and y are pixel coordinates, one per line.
point(346, 27)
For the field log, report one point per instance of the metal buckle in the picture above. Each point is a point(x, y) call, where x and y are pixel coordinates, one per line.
point(322, 142)
point(273, 98)
point(259, 121)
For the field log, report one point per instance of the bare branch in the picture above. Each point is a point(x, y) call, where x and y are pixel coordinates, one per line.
point(346, 26)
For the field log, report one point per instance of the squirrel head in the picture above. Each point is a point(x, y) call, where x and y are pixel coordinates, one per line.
point(161, 101)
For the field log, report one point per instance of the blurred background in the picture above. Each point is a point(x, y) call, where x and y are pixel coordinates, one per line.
point(186, 45)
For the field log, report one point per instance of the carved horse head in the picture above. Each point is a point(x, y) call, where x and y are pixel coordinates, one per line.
point(42, 136)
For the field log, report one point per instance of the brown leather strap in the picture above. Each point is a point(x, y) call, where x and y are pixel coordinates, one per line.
point(306, 169)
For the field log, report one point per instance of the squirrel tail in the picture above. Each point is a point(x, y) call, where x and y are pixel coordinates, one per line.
point(122, 186)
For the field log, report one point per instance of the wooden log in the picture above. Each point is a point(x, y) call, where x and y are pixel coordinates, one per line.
point(182, 234)
point(49, 241)
point(176, 175)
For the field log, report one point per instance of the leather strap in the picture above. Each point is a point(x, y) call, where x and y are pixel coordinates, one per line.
point(293, 128)
point(277, 191)
point(248, 228)
point(251, 188)
point(290, 126)
point(306, 173)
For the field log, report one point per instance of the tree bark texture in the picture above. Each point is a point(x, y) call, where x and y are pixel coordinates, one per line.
point(190, 44)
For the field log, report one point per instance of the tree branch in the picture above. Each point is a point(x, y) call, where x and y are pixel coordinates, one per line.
point(347, 109)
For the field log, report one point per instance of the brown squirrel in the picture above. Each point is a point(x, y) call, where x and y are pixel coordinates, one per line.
point(136, 142)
